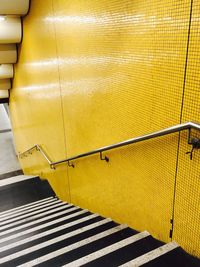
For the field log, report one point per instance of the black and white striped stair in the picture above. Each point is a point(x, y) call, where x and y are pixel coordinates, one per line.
point(44, 231)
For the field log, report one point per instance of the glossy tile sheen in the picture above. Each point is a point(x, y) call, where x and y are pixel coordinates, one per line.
point(92, 73)
point(35, 101)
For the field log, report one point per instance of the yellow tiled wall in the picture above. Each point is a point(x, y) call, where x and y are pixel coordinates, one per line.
point(92, 73)
point(187, 202)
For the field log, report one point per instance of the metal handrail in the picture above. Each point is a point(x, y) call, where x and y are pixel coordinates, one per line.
point(163, 132)
point(38, 148)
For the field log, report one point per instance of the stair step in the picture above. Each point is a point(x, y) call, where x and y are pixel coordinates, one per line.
point(27, 225)
point(57, 207)
point(13, 173)
point(52, 241)
point(176, 257)
point(151, 255)
point(121, 252)
point(28, 212)
point(107, 250)
point(32, 215)
point(22, 191)
point(49, 232)
point(39, 237)
point(42, 227)
point(24, 207)
point(95, 241)
point(16, 179)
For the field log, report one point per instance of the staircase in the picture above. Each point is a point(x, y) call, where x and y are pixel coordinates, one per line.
point(38, 229)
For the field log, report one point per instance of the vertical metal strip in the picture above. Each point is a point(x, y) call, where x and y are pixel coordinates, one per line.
point(61, 100)
point(180, 121)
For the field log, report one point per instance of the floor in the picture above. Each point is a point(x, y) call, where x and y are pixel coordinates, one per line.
point(8, 158)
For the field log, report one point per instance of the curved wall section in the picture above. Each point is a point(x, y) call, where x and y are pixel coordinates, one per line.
point(6, 71)
point(8, 53)
point(14, 7)
point(10, 30)
point(5, 84)
point(4, 94)
point(10, 35)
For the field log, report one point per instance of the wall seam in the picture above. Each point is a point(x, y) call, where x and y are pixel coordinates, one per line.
point(61, 100)
point(181, 114)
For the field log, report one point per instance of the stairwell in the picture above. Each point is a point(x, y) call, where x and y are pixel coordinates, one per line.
point(38, 229)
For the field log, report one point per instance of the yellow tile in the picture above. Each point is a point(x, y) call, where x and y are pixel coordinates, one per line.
point(122, 69)
point(187, 205)
point(35, 99)
point(92, 73)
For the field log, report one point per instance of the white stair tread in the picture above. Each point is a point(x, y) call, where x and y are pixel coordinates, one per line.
point(43, 219)
point(16, 179)
point(58, 239)
point(77, 244)
point(107, 250)
point(24, 207)
point(44, 225)
point(29, 210)
point(151, 255)
point(48, 232)
point(61, 206)
point(32, 214)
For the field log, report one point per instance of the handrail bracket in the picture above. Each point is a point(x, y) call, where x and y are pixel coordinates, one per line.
point(194, 141)
point(104, 158)
point(70, 164)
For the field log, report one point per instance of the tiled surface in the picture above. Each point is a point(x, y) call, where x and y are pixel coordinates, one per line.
point(36, 104)
point(92, 73)
point(187, 207)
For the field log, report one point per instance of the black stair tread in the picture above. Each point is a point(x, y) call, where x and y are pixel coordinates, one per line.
point(24, 192)
point(34, 189)
point(11, 174)
point(26, 205)
point(89, 248)
point(51, 212)
point(61, 244)
point(43, 222)
point(126, 253)
point(51, 236)
point(177, 258)
point(53, 226)
point(28, 214)
point(4, 100)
